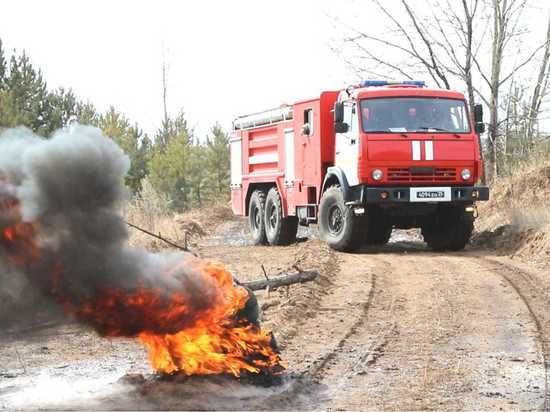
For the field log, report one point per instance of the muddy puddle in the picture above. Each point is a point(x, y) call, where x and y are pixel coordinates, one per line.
point(236, 233)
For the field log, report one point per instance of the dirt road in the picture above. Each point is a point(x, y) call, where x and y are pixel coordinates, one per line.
point(396, 327)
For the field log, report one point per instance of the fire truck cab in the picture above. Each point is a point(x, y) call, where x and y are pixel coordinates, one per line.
point(360, 162)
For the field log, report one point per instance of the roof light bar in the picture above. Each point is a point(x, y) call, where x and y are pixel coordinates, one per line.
point(379, 83)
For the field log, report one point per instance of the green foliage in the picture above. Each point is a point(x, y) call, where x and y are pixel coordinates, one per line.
point(132, 142)
point(9, 115)
point(86, 114)
point(217, 158)
point(169, 170)
point(3, 68)
point(187, 171)
point(28, 95)
point(175, 164)
point(61, 108)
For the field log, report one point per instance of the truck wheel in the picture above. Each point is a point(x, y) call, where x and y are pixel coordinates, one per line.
point(450, 230)
point(338, 226)
point(256, 213)
point(279, 230)
point(378, 228)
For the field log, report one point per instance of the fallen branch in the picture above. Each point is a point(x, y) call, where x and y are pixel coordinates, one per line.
point(282, 280)
point(159, 237)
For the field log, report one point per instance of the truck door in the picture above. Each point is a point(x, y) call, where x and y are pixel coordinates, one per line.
point(347, 145)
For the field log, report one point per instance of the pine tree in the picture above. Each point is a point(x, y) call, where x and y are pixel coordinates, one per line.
point(28, 94)
point(171, 128)
point(131, 140)
point(217, 157)
point(168, 167)
point(3, 68)
point(197, 172)
point(86, 113)
point(62, 108)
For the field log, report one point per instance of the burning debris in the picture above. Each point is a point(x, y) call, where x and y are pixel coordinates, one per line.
point(60, 228)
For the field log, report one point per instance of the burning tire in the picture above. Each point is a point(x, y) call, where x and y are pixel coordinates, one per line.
point(338, 226)
point(251, 310)
point(256, 217)
point(378, 228)
point(449, 230)
point(279, 230)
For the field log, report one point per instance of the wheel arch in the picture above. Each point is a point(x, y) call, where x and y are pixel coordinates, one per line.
point(336, 175)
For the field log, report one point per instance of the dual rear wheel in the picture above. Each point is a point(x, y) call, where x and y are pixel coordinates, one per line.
point(266, 221)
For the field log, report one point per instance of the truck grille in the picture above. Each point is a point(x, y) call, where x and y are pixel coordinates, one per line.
point(421, 174)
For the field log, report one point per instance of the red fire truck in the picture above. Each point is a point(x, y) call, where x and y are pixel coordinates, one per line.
point(360, 162)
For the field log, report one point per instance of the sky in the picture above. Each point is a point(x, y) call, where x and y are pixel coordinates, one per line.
point(224, 58)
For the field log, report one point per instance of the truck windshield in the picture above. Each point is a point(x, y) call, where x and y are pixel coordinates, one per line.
point(414, 115)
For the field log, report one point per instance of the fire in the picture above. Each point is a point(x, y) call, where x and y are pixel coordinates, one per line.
point(180, 335)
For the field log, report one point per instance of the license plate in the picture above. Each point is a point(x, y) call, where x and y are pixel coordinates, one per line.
point(430, 194)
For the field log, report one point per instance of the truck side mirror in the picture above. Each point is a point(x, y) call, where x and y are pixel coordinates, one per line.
point(341, 127)
point(478, 119)
point(480, 128)
point(478, 113)
point(338, 112)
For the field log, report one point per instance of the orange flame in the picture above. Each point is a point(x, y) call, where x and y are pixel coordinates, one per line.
point(180, 337)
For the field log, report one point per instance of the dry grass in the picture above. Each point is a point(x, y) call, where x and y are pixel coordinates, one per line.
point(149, 210)
point(516, 220)
point(520, 200)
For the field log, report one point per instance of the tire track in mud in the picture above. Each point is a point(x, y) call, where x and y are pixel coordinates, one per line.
point(377, 293)
point(307, 386)
point(425, 307)
point(317, 369)
point(535, 299)
point(365, 338)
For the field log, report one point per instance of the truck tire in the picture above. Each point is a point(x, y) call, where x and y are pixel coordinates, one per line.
point(279, 230)
point(256, 217)
point(450, 230)
point(378, 228)
point(338, 226)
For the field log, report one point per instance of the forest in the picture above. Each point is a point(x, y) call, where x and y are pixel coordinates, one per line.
point(183, 168)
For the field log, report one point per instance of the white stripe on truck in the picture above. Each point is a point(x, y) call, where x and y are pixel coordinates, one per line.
point(263, 158)
point(429, 146)
point(416, 149)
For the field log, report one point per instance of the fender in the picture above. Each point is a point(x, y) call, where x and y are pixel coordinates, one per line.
point(336, 173)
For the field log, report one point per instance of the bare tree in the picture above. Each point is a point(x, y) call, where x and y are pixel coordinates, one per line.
point(412, 43)
point(506, 26)
point(541, 86)
point(456, 25)
point(448, 42)
point(502, 11)
point(164, 85)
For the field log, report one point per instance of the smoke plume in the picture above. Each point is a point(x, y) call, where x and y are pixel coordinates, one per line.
point(70, 189)
point(60, 227)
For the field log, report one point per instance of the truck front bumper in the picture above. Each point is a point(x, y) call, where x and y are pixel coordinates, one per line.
point(381, 194)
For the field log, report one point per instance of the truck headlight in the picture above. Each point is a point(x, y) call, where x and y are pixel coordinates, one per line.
point(466, 174)
point(377, 174)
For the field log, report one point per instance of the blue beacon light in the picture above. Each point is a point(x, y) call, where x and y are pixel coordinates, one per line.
point(380, 83)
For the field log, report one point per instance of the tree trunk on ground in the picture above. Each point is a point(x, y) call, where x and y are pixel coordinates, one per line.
point(282, 280)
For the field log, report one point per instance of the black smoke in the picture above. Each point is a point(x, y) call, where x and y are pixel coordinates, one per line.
point(71, 187)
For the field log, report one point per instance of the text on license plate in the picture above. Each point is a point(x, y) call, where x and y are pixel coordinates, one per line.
point(430, 194)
